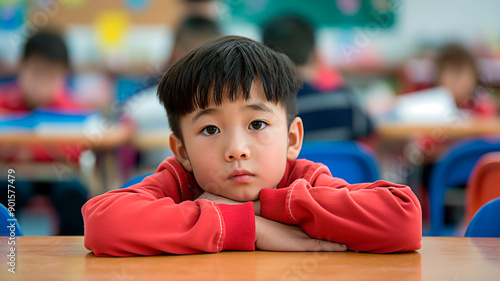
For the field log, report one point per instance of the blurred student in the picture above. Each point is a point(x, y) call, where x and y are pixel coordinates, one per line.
point(328, 108)
point(457, 71)
point(41, 83)
point(42, 77)
point(144, 108)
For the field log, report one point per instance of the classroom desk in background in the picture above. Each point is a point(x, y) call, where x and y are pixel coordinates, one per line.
point(111, 138)
point(441, 258)
point(103, 141)
point(151, 140)
point(457, 129)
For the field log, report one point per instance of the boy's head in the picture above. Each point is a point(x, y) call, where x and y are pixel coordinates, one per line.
point(291, 35)
point(458, 72)
point(192, 33)
point(231, 105)
point(43, 68)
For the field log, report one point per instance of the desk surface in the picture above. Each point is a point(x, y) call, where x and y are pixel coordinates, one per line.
point(105, 138)
point(441, 258)
point(452, 130)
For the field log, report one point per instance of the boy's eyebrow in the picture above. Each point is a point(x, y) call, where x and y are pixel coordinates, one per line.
point(259, 107)
point(200, 113)
point(255, 107)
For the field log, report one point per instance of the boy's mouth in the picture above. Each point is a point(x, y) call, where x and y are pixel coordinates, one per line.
point(240, 176)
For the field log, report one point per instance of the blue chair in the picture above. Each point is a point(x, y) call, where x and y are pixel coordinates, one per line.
point(349, 160)
point(452, 170)
point(485, 222)
point(135, 180)
point(6, 220)
point(7, 79)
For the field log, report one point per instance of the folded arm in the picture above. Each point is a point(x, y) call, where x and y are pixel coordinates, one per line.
point(143, 220)
point(377, 217)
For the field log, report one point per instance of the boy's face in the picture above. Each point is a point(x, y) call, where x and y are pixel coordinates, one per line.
point(460, 80)
point(40, 79)
point(238, 148)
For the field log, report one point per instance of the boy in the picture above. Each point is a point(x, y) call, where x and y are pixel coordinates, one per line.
point(42, 84)
point(235, 183)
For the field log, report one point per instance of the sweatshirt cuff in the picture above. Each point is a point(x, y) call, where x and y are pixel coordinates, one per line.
point(274, 205)
point(239, 221)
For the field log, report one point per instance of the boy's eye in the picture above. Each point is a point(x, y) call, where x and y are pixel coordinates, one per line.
point(257, 125)
point(210, 130)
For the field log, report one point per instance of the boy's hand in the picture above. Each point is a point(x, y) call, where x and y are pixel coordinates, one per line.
point(275, 236)
point(223, 200)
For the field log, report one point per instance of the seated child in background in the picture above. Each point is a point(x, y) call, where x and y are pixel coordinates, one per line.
point(458, 72)
point(328, 107)
point(235, 182)
point(42, 77)
point(42, 84)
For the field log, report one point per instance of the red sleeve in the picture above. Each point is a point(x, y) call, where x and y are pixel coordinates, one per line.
point(378, 217)
point(154, 217)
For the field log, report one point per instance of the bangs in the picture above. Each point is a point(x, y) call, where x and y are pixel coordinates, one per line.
point(226, 69)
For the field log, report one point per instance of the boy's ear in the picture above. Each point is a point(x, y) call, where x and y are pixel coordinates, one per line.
point(295, 138)
point(180, 152)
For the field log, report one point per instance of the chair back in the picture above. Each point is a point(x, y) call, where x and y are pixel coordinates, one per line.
point(8, 223)
point(484, 183)
point(349, 160)
point(452, 170)
point(485, 222)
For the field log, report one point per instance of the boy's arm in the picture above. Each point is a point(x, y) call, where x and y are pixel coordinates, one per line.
point(151, 218)
point(275, 236)
point(377, 217)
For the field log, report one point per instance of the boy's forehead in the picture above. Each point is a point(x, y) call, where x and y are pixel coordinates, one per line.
point(256, 101)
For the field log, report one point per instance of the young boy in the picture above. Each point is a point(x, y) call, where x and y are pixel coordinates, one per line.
point(235, 182)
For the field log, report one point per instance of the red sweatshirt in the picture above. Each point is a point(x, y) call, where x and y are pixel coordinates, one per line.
point(161, 214)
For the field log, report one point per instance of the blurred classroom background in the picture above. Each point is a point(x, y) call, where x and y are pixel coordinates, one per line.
point(385, 51)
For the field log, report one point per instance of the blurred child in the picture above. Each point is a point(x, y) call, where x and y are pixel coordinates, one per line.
point(42, 77)
point(143, 108)
point(235, 182)
point(42, 84)
point(458, 72)
point(328, 108)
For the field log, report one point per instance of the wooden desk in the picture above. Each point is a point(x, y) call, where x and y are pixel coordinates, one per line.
point(452, 130)
point(151, 140)
point(441, 258)
point(100, 139)
point(103, 141)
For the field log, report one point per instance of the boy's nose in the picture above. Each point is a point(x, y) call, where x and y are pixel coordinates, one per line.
point(237, 150)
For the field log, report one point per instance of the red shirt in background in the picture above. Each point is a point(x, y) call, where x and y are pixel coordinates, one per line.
point(480, 105)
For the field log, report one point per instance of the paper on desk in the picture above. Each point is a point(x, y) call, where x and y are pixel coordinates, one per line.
point(430, 106)
point(88, 124)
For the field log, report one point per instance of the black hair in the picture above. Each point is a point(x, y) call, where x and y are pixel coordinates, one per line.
point(226, 68)
point(292, 35)
point(49, 45)
point(456, 56)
